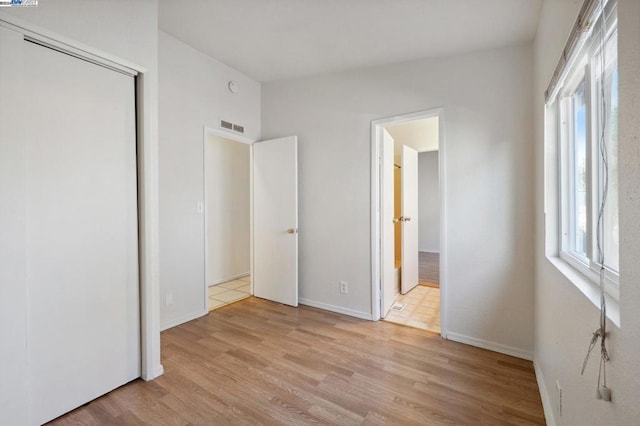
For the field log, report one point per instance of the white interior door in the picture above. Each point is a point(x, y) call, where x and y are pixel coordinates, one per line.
point(275, 220)
point(389, 289)
point(410, 219)
point(83, 328)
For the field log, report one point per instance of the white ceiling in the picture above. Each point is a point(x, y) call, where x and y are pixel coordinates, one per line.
point(280, 39)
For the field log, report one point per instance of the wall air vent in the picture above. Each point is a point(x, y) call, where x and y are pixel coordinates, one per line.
point(231, 126)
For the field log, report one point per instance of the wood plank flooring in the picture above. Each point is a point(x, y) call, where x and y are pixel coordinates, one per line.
point(429, 269)
point(257, 362)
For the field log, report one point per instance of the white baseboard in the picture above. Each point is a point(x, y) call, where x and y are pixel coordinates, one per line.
point(182, 320)
point(337, 309)
point(428, 251)
point(547, 405)
point(229, 278)
point(492, 346)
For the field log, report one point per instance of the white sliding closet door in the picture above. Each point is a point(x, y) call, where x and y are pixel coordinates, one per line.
point(82, 233)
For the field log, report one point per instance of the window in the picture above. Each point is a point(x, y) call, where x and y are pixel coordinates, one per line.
point(587, 108)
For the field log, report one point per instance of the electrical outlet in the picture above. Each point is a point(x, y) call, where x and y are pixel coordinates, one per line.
point(344, 287)
point(168, 299)
point(559, 398)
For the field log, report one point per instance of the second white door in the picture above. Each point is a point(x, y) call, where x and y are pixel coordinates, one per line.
point(275, 220)
point(410, 262)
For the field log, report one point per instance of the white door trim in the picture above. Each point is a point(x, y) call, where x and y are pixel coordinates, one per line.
point(376, 140)
point(147, 173)
point(236, 138)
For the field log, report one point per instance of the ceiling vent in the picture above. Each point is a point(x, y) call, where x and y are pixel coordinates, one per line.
point(231, 126)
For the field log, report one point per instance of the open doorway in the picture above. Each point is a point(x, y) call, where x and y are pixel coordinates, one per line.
point(417, 306)
point(227, 211)
point(250, 218)
point(408, 260)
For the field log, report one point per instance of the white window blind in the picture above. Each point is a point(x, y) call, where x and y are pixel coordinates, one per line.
point(589, 14)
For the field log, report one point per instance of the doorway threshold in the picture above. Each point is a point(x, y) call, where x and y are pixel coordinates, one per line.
point(420, 308)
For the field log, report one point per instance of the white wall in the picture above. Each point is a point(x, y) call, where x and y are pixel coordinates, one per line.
point(428, 202)
point(488, 107)
point(565, 318)
point(192, 93)
point(227, 186)
point(106, 26)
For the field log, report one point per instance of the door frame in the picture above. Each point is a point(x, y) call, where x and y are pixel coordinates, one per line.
point(376, 204)
point(207, 131)
point(147, 177)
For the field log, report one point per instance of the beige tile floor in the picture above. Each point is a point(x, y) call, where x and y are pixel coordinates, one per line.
point(229, 292)
point(422, 309)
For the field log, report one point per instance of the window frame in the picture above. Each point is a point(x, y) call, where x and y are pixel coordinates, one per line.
point(582, 70)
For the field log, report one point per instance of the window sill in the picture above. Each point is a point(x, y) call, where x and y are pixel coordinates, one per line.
point(588, 288)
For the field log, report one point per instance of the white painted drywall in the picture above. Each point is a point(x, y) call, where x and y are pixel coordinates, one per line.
point(428, 202)
point(488, 135)
point(565, 318)
point(193, 93)
point(227, 186)
point(109, 27)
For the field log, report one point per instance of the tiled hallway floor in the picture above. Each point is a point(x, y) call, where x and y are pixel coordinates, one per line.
point(422, 309)
point(229, 292)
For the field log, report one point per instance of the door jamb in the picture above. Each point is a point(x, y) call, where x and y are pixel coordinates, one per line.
point(235, 138)
point(376, 139)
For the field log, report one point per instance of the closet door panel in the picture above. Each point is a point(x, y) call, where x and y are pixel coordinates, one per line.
point(82, 231)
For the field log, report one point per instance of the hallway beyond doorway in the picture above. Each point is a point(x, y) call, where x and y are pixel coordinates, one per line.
point(394, 142)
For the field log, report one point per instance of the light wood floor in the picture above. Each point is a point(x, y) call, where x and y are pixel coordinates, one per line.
point(257, 362)
point(429, 269)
